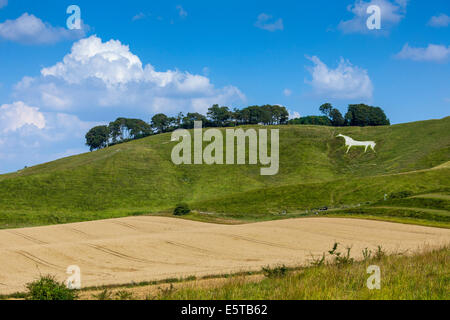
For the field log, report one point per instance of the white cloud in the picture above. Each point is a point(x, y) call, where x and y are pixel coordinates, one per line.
point(17, 115)
point(293, 115)
point(441, 20)
point(433, 53)
point(287, 92)
point(344, 82)
point(139, 16)
point(3, 3)
point(108, 74)
point(183, 13)
point(392, 12)
point(266, 22)
point(110, 62)
point(28, 29)
point(96, 80)
point(29, 136)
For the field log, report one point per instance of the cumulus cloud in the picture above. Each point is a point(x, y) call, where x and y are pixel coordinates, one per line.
point(110, 62)
point(3, 3)
point(29, 29)
point(266, 22)
point(17, 115)
point(432, 53)
point(29, 136)
point(293, 115)
point(107, 75)
point(95, 80)
point(439, 21)
point(344, 82)
point(392, 12)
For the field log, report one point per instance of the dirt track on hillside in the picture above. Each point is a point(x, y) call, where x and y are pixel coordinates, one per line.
point(135, 249)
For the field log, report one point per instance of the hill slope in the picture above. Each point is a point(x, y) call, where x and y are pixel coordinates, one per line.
point(139, 177)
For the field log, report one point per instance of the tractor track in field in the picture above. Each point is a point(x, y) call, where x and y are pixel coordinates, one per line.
point(161, 247)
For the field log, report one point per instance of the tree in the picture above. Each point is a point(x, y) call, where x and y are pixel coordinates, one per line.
point(160, 122)
point(220, 116)
point(363, 115)
point(326, 109)
point(188, 120)
point(312, 120)
point(336, 118)
point(138, 128)
point(97, 137)
point(116, 129)
point(280, 114)
point(123, 129)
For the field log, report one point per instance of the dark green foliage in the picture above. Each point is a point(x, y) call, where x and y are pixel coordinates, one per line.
point(160, 122)
point(97, 137)
point(47, 288)
point(358, 115)
point(362, 115)
point(326, 109)
point(220, 116)
point(400, 195)
point(188, 120)
point(276, 272)
point(123, 129)
point(312, 120)
point(336, 118)
point(181, 209)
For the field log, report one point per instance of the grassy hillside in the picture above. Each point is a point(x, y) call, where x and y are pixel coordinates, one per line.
point(138, 177)
point(420, 277)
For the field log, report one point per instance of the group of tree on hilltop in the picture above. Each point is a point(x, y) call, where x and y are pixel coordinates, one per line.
point(124, 129)
point(358, 115)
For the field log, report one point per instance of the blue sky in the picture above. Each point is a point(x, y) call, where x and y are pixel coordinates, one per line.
point(172, 56)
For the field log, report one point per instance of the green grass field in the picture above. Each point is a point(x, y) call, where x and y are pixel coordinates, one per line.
point(139, 178)
point(420, 277)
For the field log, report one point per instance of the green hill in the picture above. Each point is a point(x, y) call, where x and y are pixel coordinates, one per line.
point(139, 177)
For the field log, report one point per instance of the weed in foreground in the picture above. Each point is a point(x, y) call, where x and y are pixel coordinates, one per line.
point(276, 272)
point(47, 288)
point(124, 295)
point(104, 295)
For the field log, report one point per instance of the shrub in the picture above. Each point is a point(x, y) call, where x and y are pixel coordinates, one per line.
point(47, 288)
point(276, 272)
point(400, 195)
point(181, 209)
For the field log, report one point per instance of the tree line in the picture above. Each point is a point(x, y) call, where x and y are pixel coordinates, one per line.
point(124, 129)
point(358, 115)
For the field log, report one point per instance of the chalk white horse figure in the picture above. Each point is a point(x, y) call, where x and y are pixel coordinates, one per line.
point(349, 142)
